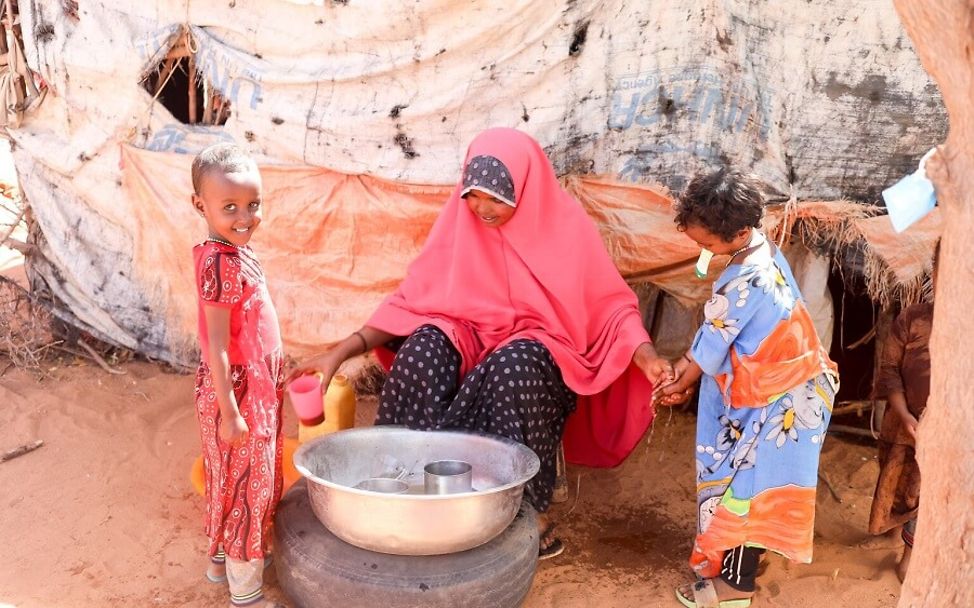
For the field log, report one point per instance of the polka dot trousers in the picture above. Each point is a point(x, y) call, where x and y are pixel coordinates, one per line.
point(516, 392)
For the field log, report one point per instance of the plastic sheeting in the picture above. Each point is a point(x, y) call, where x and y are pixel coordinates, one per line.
point(349, 108)
point(334, 245)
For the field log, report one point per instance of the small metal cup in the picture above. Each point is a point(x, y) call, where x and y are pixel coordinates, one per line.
point(383, 485)
point(448, 477)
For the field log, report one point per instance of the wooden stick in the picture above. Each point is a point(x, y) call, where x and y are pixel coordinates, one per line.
point(20, 451)
point(208, 110)
point(18, 245)
point(224, 113)
point(9, 16)
point(13, 227)
point(851, 407)
point(98, 359)
point(863, 340)
point(27, 87)
point(164, 74)
point(192, 89)
point(850, 430)
point(828, 484)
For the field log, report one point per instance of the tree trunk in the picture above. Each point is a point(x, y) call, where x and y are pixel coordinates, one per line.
point(942, 567)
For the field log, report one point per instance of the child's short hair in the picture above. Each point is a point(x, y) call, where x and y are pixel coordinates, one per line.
point(723, 202)
point(225, 157)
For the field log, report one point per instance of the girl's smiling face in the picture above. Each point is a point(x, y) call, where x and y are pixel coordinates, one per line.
point(488, 209)
point(231, 204)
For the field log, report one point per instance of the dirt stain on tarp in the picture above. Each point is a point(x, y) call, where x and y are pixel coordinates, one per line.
point(578, 39)
point(405, 144)
point(724, 40)
point(872, 87)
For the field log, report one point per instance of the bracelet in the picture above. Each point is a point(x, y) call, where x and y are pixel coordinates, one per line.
point(687, 357)
point(365, 344)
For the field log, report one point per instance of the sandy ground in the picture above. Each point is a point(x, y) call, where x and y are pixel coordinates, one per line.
point(104, 515)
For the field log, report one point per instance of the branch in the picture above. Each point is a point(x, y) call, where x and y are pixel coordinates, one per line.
point(16, 222)
point(17, 245)
point(99, 360)
point(20, 451)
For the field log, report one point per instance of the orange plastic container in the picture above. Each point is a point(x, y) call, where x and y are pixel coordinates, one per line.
point(339, 410)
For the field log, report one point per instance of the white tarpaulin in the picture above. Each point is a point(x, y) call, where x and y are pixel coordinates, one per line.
point(824, 99)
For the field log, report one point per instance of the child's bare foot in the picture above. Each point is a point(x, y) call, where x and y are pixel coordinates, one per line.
point(887, 540)
point(904, 563)
point(725, 593)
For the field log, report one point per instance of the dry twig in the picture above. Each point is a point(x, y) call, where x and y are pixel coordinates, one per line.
point(99, 360)
point(21, 450)
point(13, 226)
point(828, 484)
point(26, 335)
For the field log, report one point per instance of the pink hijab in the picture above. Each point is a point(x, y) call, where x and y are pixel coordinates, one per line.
point(544, 275)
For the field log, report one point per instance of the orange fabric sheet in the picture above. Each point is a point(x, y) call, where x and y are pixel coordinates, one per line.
point(334, 245)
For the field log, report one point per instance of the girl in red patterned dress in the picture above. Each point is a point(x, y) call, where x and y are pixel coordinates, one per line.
point(239, 382)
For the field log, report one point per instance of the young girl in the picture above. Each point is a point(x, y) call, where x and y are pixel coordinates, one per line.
point(904, 379)
point(766, 396)
point(238, 385)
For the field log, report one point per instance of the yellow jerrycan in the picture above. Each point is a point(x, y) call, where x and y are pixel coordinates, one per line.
point(339, 410)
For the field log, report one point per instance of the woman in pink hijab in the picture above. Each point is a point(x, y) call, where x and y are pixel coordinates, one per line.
point(514, 321)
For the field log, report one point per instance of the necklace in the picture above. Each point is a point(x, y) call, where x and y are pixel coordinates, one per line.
point(224, 241)
point(747, 247)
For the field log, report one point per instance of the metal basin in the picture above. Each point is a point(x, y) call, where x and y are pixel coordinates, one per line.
point(413, 523)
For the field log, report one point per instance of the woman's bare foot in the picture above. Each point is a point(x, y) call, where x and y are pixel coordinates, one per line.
point(904, 563)
point(724, 591)
point(548, 544)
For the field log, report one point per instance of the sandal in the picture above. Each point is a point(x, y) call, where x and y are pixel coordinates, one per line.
point(705, 596)
point(549, 547)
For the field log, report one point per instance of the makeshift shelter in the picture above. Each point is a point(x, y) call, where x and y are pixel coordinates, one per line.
point(360, 118)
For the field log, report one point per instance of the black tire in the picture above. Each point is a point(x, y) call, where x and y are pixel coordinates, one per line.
point(317, 569)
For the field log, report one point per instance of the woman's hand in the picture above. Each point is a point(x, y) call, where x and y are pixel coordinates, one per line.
point(326, 364)
point(233, 429)
point(658, 370)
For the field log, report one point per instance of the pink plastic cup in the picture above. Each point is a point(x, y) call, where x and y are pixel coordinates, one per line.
point(307, 400)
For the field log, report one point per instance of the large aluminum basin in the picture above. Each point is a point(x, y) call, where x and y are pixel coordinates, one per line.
point(413, 523)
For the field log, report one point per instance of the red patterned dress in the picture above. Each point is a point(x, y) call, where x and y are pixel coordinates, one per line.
point(243, 484)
